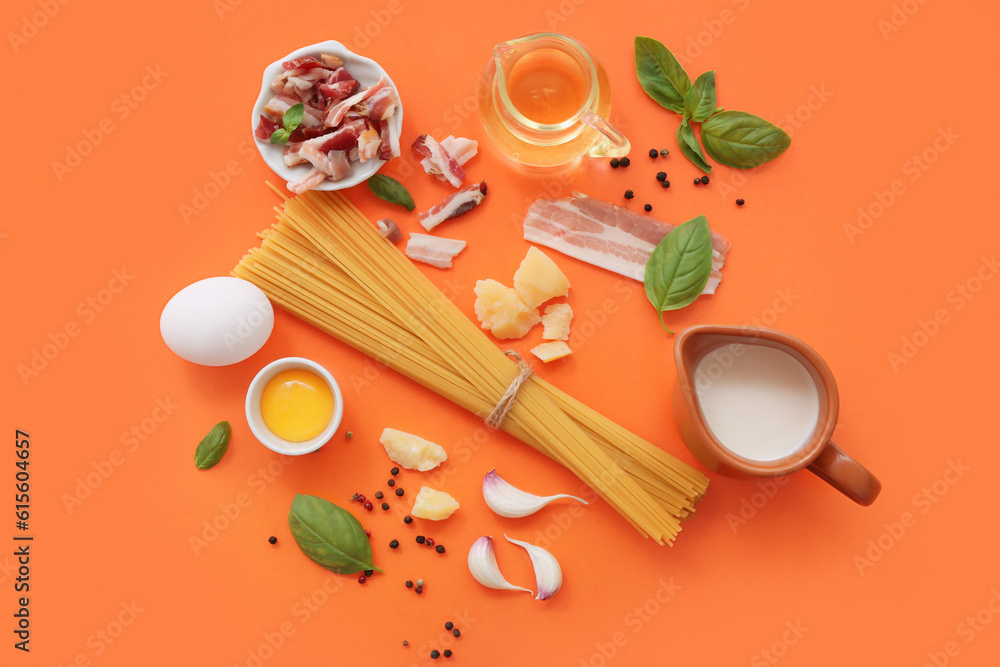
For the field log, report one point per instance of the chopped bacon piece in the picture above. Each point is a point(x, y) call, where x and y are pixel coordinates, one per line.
point(389, 230)
point(311, 179)
point(331, 61)
point(279, 104)
point(344, 138)
point(307, 62)
point(381, 105)
point(389, 148)
point(454, 205)
point(433, 250)
point(459, 148)
point(611, 237)
point(265, 128)
point(336, 112)
point(368, 144)
point(427, 146)
point(302, 133)
point(291, 154)
point(338, 90)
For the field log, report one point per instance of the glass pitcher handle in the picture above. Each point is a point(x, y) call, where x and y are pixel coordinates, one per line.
point(611, 142)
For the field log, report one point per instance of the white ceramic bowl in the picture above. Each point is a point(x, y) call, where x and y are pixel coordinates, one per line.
point(366, 71)
point(256, 420)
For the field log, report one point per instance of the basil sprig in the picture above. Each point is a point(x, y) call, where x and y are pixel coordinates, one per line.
point(391, 191)
point(679, 267)
point(733, 138)
point(290, 121)
point(213, 446)
point(330, 535)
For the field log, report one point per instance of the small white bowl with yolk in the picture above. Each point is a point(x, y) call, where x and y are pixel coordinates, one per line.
point(294, 406)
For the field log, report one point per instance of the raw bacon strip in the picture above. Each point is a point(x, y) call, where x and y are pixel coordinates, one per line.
point(381, 105)
point(291, 154)
point(307, 62)
point(390, 143)
point(611, 237)
point(311, 179)
point(459, 148)
point(433, 250)
point(344, 138)
point(454, 205)
point(452, 171)
point(368, 144)
point(265, 128)
point(336, 112)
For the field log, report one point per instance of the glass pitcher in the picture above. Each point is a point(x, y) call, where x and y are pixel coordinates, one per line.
point(545, 102)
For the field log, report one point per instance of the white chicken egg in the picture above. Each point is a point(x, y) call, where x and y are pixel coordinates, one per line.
point(217, 321)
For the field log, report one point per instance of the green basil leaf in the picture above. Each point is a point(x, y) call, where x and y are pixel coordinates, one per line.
point(679, 267)
point(660, 75)
point(690, 148)
point(293, 117)
point(391, 191)
point(330, 535)
point(700, 99)
point(213, 446)
point(280, 136)
point(743, 140)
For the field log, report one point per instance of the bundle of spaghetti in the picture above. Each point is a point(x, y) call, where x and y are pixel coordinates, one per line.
point(324, 262)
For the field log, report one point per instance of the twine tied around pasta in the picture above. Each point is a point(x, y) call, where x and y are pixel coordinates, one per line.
point(506, 402)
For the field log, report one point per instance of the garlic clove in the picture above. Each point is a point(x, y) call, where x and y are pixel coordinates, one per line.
point(509, 501)
point(484, 568)
point(548, 574)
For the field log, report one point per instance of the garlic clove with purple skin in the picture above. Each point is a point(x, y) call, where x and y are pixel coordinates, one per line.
point(484, 568)
point(548, 574)
point(509, 501)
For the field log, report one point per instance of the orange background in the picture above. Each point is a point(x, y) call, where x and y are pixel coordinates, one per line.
point(793, 574)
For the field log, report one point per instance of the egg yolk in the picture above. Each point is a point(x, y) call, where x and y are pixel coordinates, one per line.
point(296, 405)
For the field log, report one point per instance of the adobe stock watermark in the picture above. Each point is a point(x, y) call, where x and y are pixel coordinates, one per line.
point(967, 630)
point(913, 169)
point(923, 502)
point(121, 108)
point(217, 181)
point(587, 323)
point(33, 23)
point(368, 31)
point(101, 640)
point(634, 621)
point(229, 512)
point(899, 16)
point(131, 441)
point(711, 30)
point(957, 298)
point(792, 635)
point(87, 311)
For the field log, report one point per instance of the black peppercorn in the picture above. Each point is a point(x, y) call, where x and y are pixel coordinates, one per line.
point(394, 471)
point(648, 207)
point(661, 175)
point(456, 632)
point(391, 482)
point(740, 202)
point(385, 506)
point(394, 544)
point(409, 584)
point(447, 653)
point(629, 194)
point(369, 573)
point(399, 491)
point(272, 540)
point(653, 153)
point(435, 654)
point(704, 180)
point(407, 519)
point(665, 184)
point(449, 625)
point(378, 495)
point(697, 181)
point(624, 162)
point(421, 539)
point(614, 163)
point(439, 548)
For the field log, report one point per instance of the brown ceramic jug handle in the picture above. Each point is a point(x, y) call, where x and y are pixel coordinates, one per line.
point(846, 475)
